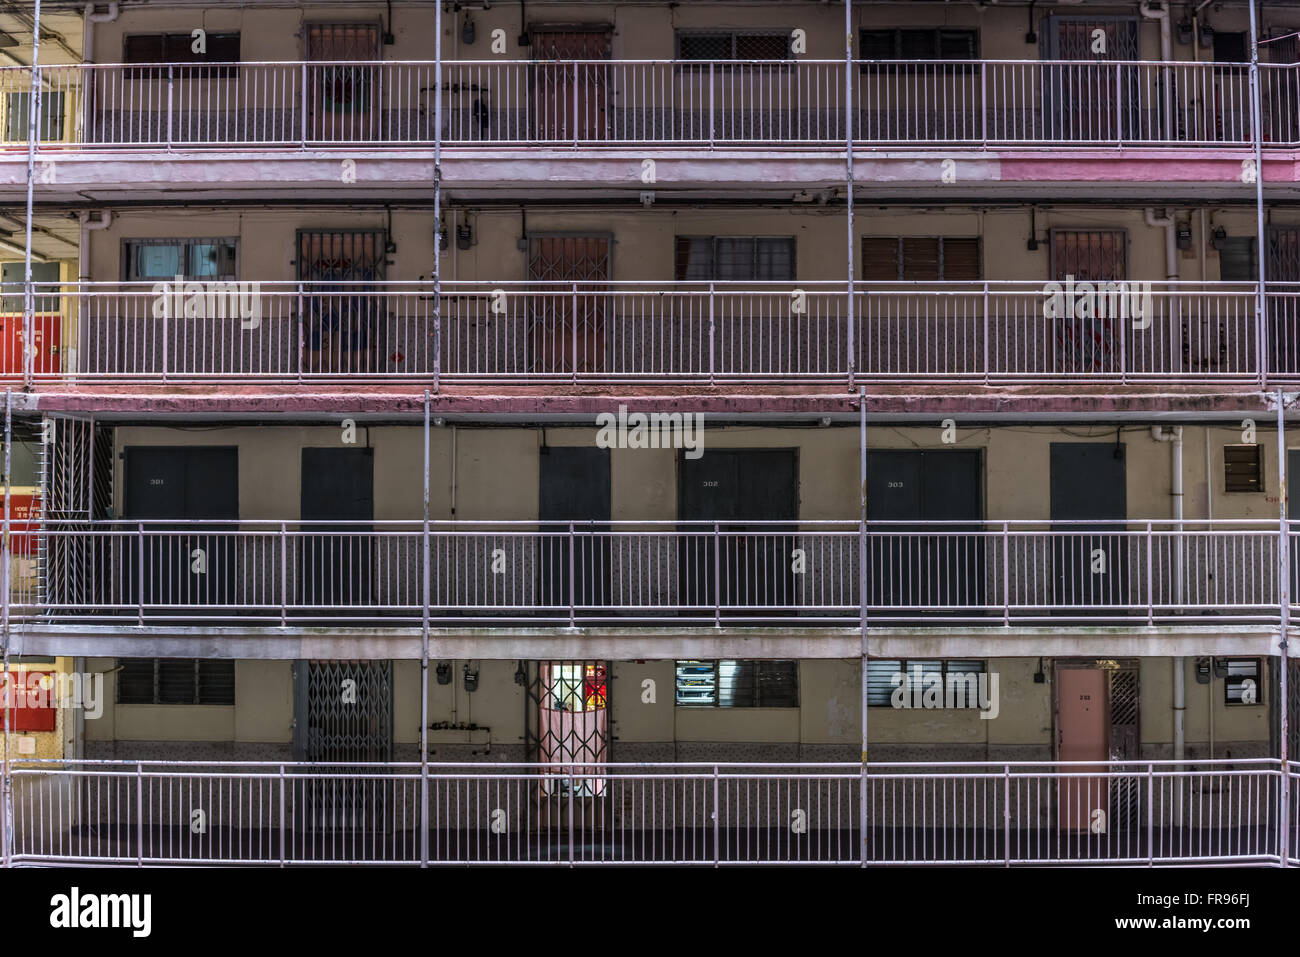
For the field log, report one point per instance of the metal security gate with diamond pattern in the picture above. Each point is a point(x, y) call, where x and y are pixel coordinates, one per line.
point(567, 325)
point(343, 713)
point(1283, 265)
point(1083, 103)
point(566, 721)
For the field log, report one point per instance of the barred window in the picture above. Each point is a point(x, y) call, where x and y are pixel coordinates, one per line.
point(18, 109)
point(12, 275)
point(721, 258)
point(882, 675)
point(733, 45)
point(175, 681)
point(738, 684)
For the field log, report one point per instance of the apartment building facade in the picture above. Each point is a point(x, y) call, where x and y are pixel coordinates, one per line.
point(639, 432)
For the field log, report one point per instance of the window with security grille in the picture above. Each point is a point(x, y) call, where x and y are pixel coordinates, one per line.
point(922, 258)
point(885, 675)
point(18, 108)
point(919, 44)
point(1243, 468)
point(733, 45)
point(154, 260)
point(175, 681)
point(11, 275)
point(1242, 684)
point(737, 684)
point(723, 258)
point(157, 48)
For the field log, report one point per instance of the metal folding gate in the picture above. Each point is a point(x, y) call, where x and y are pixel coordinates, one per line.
point(343, 712)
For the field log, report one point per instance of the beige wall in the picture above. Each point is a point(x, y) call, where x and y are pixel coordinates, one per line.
point(639, 31)
point(643, 247)
point(497, 469)
point(828, 713)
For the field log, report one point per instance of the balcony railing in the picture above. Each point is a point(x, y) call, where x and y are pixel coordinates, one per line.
point(916, 574)
point(1117, 812)
point(593, 104)
point(627, 332)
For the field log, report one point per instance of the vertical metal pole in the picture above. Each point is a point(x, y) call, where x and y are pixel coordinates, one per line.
point(1284, 593)
point(424, 654)
point(6, 792)
point(848, 182)
point(1257, 135)
point(33, 131)
point(282, 819)
point(862, 611)
point(437, 195)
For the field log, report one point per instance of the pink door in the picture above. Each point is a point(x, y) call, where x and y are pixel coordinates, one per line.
point(1083, 732)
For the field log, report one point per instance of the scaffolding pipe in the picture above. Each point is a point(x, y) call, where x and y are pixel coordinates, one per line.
point(437, 193)
point(1257, 135)
point(1174, 436)
point(424, 659)
point(848, 178)
point(6, 784)
point(33, 131)
point(862, 610)
point(1284, 594)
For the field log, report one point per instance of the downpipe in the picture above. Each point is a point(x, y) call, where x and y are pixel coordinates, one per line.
point(1174, 436)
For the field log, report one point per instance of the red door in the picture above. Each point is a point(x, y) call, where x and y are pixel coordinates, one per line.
point(48, 330)
point(570, 92)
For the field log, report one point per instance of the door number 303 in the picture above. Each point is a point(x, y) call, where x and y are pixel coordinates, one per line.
point(895, 484)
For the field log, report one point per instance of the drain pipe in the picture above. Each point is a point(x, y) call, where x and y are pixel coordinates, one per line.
point(84, 273)
point(1150, 12)
point(88, 20)
point(1171, 240)
point(1174, 436)
point(89, 225)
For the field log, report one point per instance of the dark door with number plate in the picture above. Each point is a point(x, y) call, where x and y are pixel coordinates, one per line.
point(1090, 561)
point(173, 567)
point(754, 565)
point(911, 568)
